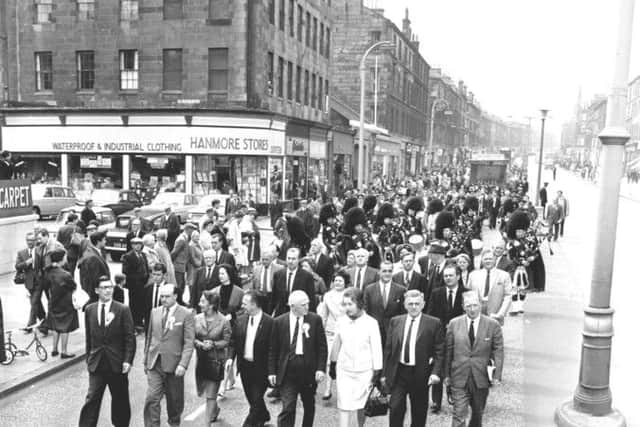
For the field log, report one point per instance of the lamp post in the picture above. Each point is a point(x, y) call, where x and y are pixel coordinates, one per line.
point(436, 102)
point(592, 401)
point(363, 71)
point(544, 117)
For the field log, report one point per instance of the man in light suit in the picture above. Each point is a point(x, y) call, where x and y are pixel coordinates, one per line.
point(472, 341)
point(205, 278)
point(263, 274)
point(324, 264)
point(413, 360)
point(384, 299)
point(180, 258)
point(362, 275)
point(24, 266)
point(291, 279)
point(167, 352)
point(502, 258)
point(493, 287)
point(111, 346)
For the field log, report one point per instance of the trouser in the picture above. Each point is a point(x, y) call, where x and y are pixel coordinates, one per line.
point(180, 283)
point(293, 384)
point(562, 227)
point(408, 382)
point(136, 304)
point(211, 393)
point(544, 209)
point(469, 395)
point(36, 311)
point(160, 384)
point(492, 220)
point(118, 384)
point(556, 230)
point(436, 394)
point(254, 384)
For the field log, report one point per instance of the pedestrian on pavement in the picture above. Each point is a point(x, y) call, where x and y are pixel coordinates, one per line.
point(6, 166)
point(171, 223)
point(3, 355)
point(290, 279)
point(222, 256)
point(473, 340)
point(251, 338)
point(26, 274)
point(297, 358)
point(164, 255)
point(564, 204)
point(308, 265)
point(46, 246)
point(204, 279)
point(275, 210)
point(87, 215)
point(167, 353)
point(111, 347)
point(70, 240)
point(118, 288)
point(62, 317)
point(136, 231)
point(180, 258)
point(93, 265)
point(212, 341)
point(356, 358)
point(148, 249)
point(493, 287)
point(413, 360)
point(263, 273)
point(543, 198)
point(324, 265)
point(135, 268)
point(384, 300)
point(205, 234)
point(195, 260)
point(555, 169)
point(554, 218)
point(152, 292)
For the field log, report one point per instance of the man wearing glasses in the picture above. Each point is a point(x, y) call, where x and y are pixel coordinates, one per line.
point(111, 346)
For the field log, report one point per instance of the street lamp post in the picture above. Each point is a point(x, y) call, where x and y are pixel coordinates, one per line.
point(592, 403)
point(544, 117)
point(436, 102)
point(363, 71)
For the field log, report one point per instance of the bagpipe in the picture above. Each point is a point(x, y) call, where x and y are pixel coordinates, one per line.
point(390, 237)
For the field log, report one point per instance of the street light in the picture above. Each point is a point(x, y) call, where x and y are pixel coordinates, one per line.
point(362, 87)
point(544, 117)
point(437, 103)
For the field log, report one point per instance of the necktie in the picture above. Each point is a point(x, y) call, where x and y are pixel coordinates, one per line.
point(450, 300)
point(487, 283)
point(264, 278)
point(359, 279)
point(208, 273)
point(165, 314)
point(102, 315)
point(385, 294)
point(406, 279)
point(407, 344)
point(294, 339)
point(472, 334)
point(251, 321)
point(289, 282)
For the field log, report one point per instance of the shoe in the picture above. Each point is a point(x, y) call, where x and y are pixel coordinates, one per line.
point(44, 332)
point(435, 408)
point(54, 353)
point(67, 355)
point(327, 396)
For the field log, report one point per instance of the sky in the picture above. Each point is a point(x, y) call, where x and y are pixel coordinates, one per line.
point(518, 56)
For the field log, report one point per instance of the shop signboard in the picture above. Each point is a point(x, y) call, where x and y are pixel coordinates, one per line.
point(15, 198)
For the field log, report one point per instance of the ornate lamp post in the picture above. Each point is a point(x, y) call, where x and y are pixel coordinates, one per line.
point(544, 117)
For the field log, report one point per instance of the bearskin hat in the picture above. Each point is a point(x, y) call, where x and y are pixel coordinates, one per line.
point(471, 203)
point(509, 205)
point(414, 203)
point(353, 217)
point(445, 219)
point(295, 229)
point(519, 220)
point(328, 210)
point(369, 203)
point(385, 211)
point(349, 203)
point(435, 206)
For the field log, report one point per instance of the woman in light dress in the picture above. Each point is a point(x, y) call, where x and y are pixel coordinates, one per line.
point(331, 310)
point(356, 358)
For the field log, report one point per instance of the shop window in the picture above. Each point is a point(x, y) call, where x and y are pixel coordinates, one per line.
point(172, 9)
point(251, 178)
point(295, 177)
point(86, 10)
point(129, 10)
point(44, 71)
point(86, 70)
point(280, 87)
point(276, 176)
point(91, 172)
point(151, 175)
point(289, 80)
point(129, 69)
point(44, 9)
point(218, 69)
point(172, 69)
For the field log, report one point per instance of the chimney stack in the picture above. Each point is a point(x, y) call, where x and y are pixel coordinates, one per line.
point(406, 24)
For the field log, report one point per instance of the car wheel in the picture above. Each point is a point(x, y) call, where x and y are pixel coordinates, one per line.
point(115, 256)
point(36, 211)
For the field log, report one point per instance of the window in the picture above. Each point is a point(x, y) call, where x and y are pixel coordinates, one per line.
point(219, 10)
point(300, 21)
point(280, 87)
point(306, 87)
point(172, 9)
point(328, 41)
point(298, 81)
point(313, 90)
point(289, 80)
point(272, 12)
point(321, 46)
point(44, 71)
point(314, 45)
point(172, 69)
point(270, 73)
point(292, 11)
point(326, 96)
point(86, 69)
point(86, 10)
point(128, 10)
point(44, 8)
point(319, 99)
point(375, 36)
point(308, 30)
point(281, 15)
point(129, 69)
point(219, 69)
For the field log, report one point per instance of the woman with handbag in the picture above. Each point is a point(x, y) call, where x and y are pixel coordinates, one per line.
point(213, 335)
point(356, 358)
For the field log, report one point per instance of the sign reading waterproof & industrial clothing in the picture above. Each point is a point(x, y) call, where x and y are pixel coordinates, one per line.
point(143, 140)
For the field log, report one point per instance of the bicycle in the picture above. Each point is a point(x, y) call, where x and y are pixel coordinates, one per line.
point(12, 351)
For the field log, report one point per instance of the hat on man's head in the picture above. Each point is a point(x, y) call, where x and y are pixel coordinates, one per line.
point(439, 247)
point(190, 225)
point(136, 240)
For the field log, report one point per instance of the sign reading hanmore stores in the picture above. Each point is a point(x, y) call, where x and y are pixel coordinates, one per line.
point(143, 139)
point(15, 198)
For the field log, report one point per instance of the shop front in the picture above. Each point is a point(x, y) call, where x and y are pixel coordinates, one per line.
point(343, 150)
point(385, 162)
point(318, 177)
point(296, 184)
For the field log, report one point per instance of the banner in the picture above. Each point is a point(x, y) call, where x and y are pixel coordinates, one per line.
point(15, 198)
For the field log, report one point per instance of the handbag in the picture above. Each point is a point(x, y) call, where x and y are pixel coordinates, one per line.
point(19, 278)
point(80, 298)
point(377, 403)
point(209, 369)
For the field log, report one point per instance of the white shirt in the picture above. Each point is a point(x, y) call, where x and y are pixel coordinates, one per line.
point(155, 296)
point(268, 284)
point(475, 325)
point(107, 307)
point(251, 335)
point(171, 312)
point(382, 291)
point(492, 278)
point(406, 275)
point(412, 340)
point(292, 327)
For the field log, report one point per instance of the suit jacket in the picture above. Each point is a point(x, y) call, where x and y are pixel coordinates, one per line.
point(425, 265)
point(260, 344)
point(87, 215)
point(115, 342)
point(374, 306)
point(464, 360)
point(302, 281)
point(92, 266)
point(418, 281)
point(371, 275)
point(500, 291)
point(180, 253)
point(324, 269)
point(314, 347)
point(505, 264)
point(26, 268)
point(200, 284)
point(257, 274)
point(430, 345)
point(136, 270)
point(172, 224)
point(543, 195)
point(148, 301)
point(439, 306)
point(226, 258)
point(131, 234)
point(65, 233)
point(43, 257)
point(235, 302)
point(172, 343)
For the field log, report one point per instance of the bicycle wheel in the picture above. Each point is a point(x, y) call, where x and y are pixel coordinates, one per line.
point(8, 359)
point(41, 352)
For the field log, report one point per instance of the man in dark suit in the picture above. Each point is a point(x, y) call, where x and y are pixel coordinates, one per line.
point(297, 358)
point(503, 262)
point(24, 267)
point(87, 215)
point(152, 291)
point(204, 278)
point(135, 231)
point(361, 274)
point(263, 274)
point(222, 256)
point(544, 199)
point(494, 208)
point(472, 341)
point(413, 360)
point(111, 346)
point(445, 304)
point(291, 279)
point(384, 299)
point(135, 268)
point(71, 243)
point(171, 223)
point(251, 335)
point(92, 265)
point(323, 264)
point(275, 210)
point(145, 225)
point(311, 224)
point(409, 278)
point(437, 258)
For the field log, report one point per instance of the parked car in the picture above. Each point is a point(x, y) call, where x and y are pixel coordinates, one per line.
point(197, 212)
point(120, 201)
point(50, 199)
point(105, 217)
